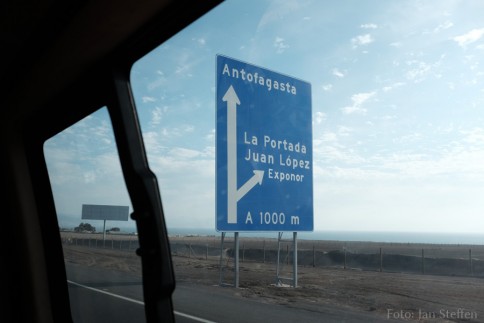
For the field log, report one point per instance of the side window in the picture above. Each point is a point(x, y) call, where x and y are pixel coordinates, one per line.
point(398, 142)
point(99, 238)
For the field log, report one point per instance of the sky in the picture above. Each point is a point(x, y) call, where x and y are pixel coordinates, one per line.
point(397, 113)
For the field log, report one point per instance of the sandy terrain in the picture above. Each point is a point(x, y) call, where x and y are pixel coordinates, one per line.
point(428, 298)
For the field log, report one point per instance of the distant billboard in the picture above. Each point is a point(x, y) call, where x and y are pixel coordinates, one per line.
point(105, 212)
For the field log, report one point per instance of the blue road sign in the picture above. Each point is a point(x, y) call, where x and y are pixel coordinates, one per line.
point(264, 154)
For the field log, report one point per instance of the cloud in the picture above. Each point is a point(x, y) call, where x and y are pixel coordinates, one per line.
point(152, 142)
point(280, 45)
point(177, 161)
point(474, 136)
point(336, 72)
point(329, 137)
point(354, 110)
point(393, 86)
point(409, 138)
point(172, 132)
point(200, 41)
point(469, 37)
point(157, 82)
point(344, 131)
point(185, 63)
point(444, 26)
point(148, 99)
point(211, 136)
point(358, 100)
point(184, 153)
point(369, 26)
point(334, 153)
point(327, 87)
point(276, 10)
point(387, 117)
point(156, 115)
point(320, 117)
point(419, 70)
point(459, 162)
point(183, 69)
point(362, 40)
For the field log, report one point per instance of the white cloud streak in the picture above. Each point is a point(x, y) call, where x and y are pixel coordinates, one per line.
point(280, 45)
point(358, 100)
point(336, 72)
point(362, 40)
point(469, 37)
point(369, 26)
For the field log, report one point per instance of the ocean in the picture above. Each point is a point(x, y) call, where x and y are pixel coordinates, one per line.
point(378, 236)
point(328, 235)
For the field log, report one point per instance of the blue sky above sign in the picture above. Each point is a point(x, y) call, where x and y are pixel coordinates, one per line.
point(264, 150)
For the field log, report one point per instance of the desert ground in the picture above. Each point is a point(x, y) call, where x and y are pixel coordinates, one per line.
point(373, 282)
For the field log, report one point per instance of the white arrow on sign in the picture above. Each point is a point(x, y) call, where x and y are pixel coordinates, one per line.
point(253, 181)
point(234, 194)
point(232, 101)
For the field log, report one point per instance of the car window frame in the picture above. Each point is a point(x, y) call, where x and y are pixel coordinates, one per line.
point(107, 84)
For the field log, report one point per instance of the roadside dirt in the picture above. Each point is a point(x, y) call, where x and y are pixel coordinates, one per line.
point(407, 297)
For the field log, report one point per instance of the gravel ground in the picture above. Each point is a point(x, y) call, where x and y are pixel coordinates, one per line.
point(407, 297)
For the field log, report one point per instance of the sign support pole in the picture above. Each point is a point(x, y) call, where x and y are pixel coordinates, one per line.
point(279, 237)
point(294, 272)
point(222, 238)
point(104, 234)
point(236, 242)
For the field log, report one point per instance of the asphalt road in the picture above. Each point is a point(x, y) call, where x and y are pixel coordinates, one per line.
point(100, 295)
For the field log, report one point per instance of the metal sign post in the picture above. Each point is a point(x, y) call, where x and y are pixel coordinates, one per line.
point(104, 233)
point(236, 259)
point(222, 238)
point(279, 278)
point(294, 261)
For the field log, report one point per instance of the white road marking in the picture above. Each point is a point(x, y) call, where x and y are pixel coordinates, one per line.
point(191, 317)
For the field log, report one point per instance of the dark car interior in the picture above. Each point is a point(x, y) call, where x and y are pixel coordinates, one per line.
point(61, 60)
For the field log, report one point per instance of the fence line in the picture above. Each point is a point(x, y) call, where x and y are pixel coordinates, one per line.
point(430, 259)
